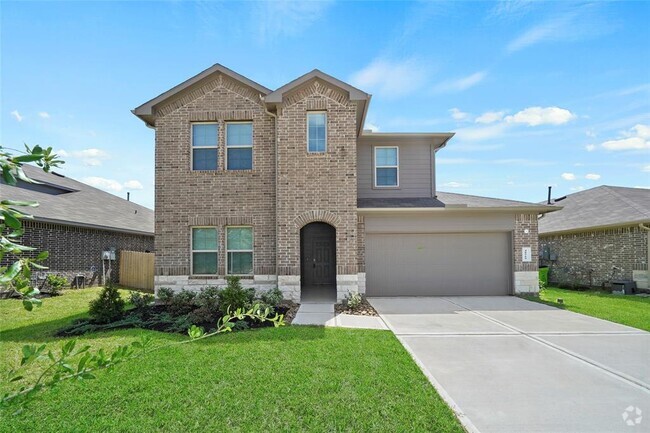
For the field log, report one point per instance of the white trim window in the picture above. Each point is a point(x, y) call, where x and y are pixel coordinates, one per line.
point(205, 250)
point(239, 250)
point(317, 132)
point(205, 139)
point(239, 145)
point(386, 166)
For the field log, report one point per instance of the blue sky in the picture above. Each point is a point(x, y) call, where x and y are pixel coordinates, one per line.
point(538, 93)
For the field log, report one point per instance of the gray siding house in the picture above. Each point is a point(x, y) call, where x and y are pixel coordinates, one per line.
point(285, 188)
point(600, 234)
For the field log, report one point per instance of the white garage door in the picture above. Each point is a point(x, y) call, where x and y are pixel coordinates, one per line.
point(440, 264)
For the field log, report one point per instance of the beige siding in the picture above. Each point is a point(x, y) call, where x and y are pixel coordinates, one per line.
point(415, 163)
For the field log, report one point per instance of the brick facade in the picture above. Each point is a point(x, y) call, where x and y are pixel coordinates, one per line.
point(587, 258)
point(526, 235)
point(77, 250)
point(186, 198)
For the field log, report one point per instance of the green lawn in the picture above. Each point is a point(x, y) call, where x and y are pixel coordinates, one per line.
point(628, 310)
point(286, 379)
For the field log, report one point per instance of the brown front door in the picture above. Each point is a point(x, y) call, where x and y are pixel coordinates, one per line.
point(318, 255)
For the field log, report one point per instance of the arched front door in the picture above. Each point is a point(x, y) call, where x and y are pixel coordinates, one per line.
point(318, 262)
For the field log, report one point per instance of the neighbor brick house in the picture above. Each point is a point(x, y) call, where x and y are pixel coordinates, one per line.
point(600, 234)
point(285, 188)
point(75, 223)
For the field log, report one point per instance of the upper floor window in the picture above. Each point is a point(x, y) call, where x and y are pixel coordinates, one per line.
point(205, 137)
point(239, 249)
point(316, 132)
point(239, 146)
point(386, 166)
point(205, 249)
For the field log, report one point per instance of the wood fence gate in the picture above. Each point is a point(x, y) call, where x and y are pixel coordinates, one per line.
point(136, 269)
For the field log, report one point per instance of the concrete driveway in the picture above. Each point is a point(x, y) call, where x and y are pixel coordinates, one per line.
point(505, 364)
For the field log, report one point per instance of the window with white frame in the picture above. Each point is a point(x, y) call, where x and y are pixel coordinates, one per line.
point(205, 248)
point(239, 250)
point(386, 166)
point(239, 145)
point(317, 132)
point(205, 138)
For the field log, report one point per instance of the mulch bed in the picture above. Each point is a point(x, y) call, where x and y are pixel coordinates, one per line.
point(365, 309)
point(290, 312)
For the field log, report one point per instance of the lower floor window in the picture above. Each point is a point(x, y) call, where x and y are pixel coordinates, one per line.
point(205, 242)
point(239, 249)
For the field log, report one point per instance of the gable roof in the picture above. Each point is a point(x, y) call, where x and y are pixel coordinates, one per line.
point(448, 200)
point(354, 93)
point(66, 201)
point(145, 111)
point(600, 207)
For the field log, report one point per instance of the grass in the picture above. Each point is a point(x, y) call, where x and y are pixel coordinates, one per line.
point(287, 379)
point(627, 310)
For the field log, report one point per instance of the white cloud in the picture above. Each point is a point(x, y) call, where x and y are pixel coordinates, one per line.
point(283, 18)
point(478, 133)
point(391, 79)
point(458, 115)
point(44, 115)
point(642, 187)
point(16, 115)
point(460, 84)
point(456, 184)
point(103, 183)
point(91, 157)
point(568, 176)
point(592, 176)
point(534, 116)
point(578, 188)
point(490, 117)
point(590, 147)
point(371, 126)
point(133, 184)
point(636, 138)
point(646, 168)
point(590, 133)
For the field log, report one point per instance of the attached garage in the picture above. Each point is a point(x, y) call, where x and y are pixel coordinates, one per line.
point(439, 255)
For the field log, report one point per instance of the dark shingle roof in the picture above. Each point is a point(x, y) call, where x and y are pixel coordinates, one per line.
point(446, 199)
point(602, 206)
point(70, 202)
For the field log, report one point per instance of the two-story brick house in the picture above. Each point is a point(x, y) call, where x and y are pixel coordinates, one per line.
point(285, 188)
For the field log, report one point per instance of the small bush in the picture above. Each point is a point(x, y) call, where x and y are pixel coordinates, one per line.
point(234, 296)
point(165, 294)
point(207, 302)
point(141, 301)
point(56, 283)
point(353, 299)
point(182, 303)
point(272, 297)
point(108, 307)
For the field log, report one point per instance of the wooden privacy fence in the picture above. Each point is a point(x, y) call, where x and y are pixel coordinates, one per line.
point(136, 269)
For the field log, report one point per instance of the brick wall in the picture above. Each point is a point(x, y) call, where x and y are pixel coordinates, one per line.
point(587, 258)
point(317, 183)
point(75, 250)
point(523, 223)
point(186, 198)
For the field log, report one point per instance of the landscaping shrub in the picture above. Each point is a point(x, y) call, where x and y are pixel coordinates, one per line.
point(182, 303)
point(234, 296)
point(272, 297)
point(109, 307)
point(208, 311)
point(56, 283)
point(353, 299)
point(141, 301)
point(165, 294)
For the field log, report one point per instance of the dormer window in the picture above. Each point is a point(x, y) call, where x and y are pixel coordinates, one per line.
point(386, 166)
point(317, 132)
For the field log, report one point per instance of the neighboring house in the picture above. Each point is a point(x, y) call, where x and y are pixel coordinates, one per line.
point(75, 222)
point(284, 187)
point(598, 236)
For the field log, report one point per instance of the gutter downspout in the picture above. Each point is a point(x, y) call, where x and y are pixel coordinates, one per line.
point(647, 229)
point(275, 140)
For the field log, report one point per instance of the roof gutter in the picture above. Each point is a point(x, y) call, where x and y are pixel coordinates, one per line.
point(591, 228)
point(90, 226)
point(459, 209)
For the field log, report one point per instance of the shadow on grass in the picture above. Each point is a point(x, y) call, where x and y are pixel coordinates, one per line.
point(542, 301)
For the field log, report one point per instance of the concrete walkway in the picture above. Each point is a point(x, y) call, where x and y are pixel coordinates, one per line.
point(505, 364)
point(322, 314)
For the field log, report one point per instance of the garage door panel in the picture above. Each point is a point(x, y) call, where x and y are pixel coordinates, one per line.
point(439, 264)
